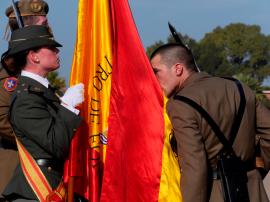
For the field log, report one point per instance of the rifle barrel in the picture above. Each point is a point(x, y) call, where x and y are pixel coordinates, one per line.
point(17, 15)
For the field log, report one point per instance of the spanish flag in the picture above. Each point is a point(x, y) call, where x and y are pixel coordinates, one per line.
point(124, 145)
point(92, 65)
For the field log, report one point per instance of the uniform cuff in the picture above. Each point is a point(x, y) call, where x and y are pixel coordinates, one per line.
point(70, 108)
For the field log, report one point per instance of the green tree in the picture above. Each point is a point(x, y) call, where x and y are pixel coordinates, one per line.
point(236, 48)
point(254, 84)
point(151, 48)
point(190, 42)
point(57, 82)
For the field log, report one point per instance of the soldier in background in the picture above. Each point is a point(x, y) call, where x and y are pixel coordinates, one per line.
point(33, 12)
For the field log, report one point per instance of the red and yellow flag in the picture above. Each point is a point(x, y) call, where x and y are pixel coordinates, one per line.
point(137, 147)
point(92, 65)
point(122, 94)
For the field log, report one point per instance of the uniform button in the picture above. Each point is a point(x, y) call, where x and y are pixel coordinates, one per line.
point(49, 168)
point(74, 130)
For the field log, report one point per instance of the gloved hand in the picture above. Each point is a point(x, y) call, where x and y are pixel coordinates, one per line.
point(74, 95)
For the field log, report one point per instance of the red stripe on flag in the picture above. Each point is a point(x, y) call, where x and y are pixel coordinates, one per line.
point(136, 124)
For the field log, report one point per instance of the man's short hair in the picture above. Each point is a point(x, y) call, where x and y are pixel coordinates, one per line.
point(172, 53)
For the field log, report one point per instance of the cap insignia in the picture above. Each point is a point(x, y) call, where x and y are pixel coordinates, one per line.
point(35, 7)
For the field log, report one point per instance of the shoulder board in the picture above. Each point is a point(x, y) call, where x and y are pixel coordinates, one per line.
point(35, 89)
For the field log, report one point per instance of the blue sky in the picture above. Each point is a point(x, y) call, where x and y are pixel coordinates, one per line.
point(192, 17)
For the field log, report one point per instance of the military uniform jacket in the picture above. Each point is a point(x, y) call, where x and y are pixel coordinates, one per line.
point(8, 150)
point(197, 144)
point(6, 89)
point(44, 127)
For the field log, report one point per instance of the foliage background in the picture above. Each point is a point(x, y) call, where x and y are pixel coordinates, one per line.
point(236, 50)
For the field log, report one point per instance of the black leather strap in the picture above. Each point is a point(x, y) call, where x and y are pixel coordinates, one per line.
point(240, 113)
point(235, 127)
point(207, 117)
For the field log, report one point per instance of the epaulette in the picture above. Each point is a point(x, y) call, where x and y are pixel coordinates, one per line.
point(35, 90)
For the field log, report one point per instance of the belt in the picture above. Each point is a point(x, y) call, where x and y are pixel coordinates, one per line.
point(6, 144)
point(247, 165)
point(51, 164)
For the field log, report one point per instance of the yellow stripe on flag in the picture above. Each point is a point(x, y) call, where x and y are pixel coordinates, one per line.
point(92, 66)
point(170, 176)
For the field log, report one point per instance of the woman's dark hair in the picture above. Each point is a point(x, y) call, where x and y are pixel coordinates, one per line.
point(14, 63)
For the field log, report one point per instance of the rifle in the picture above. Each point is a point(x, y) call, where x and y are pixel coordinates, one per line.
point(17, 14)
point(180, 42)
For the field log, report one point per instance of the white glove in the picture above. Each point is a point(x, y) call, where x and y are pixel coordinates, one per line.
point(74, 95)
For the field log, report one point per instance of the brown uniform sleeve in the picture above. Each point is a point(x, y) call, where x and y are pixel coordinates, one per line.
point(263, 132)
point(5, 127)
point(191, 152)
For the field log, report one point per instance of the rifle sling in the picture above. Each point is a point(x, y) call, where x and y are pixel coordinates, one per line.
point(236, 124)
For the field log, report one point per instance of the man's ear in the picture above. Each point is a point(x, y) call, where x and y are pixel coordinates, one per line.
point(179, 68)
